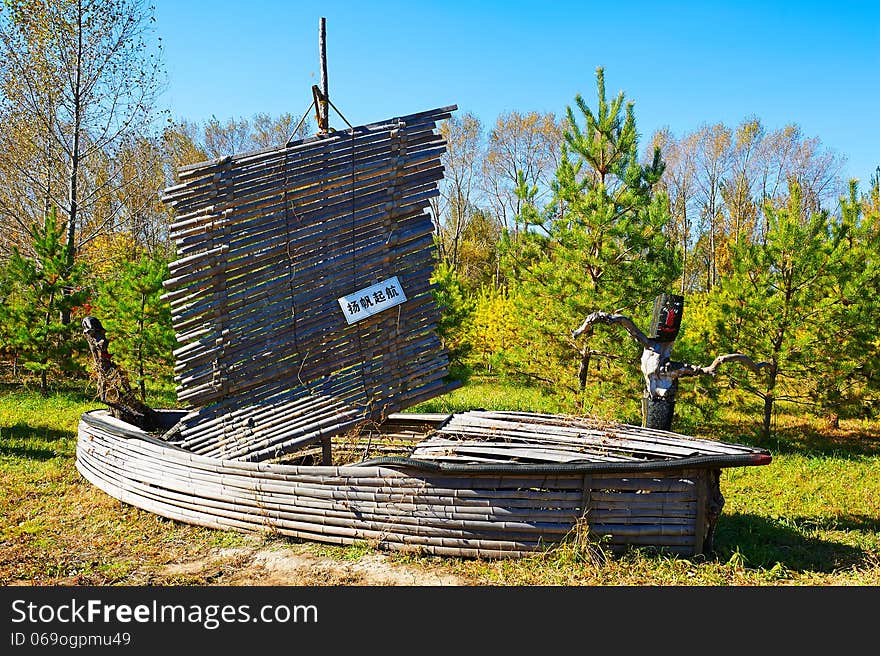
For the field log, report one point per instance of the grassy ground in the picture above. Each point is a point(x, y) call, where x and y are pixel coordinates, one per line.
point(811, 517)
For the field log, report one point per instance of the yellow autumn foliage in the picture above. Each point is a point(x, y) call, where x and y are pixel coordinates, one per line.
point(106, 251)
point(493, 326)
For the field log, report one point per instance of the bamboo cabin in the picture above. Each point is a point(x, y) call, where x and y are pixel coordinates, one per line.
point(302, 304)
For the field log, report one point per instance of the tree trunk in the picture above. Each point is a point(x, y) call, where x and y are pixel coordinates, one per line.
point(657, 413)
point(73, 200)
point(768, 402)
point(140, 353)
point(142, 384)
point(47, 201)
point(584, 370)
point(113, 385)
point(768, 416)
point(684, 251)
point(47, 319)
point(456, 239)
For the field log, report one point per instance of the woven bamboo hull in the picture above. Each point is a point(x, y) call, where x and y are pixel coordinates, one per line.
point(467, 511)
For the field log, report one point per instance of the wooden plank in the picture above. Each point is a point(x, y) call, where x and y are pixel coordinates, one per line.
point(586, 516)
point(560, 426)
point(701, 521)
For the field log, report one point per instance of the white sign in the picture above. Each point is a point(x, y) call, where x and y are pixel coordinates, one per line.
point(371, 300)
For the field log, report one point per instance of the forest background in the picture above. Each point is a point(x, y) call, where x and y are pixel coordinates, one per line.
point(542, 218)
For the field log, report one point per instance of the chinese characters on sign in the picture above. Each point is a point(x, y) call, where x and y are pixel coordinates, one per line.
point(371, 300)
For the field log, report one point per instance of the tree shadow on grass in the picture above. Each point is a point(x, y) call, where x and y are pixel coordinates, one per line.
point(32, 442)
point(763, 541)
point(77, 391)
point(806, 440)
point(802, 438)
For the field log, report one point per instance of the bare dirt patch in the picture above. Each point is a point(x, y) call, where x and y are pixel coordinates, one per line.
point(299, 565)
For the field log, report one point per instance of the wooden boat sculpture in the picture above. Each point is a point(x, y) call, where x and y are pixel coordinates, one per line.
point(302, 303)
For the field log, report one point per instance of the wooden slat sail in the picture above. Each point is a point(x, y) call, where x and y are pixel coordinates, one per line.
point(267, 242)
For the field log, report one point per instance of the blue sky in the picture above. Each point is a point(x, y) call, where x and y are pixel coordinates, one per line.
point(684, 64)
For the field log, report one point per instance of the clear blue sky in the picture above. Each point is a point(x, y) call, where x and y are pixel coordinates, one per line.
point(684, 64)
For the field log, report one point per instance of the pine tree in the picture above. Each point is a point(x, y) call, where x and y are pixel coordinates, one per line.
point(137, 321)
point(779, 303)
point(604, 245)
point(851, 370)
point(456, 308)
point(40, 291)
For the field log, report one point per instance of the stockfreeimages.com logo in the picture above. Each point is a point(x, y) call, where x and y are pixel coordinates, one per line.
point(210, 616)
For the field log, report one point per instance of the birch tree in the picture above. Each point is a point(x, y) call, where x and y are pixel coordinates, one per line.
point(86, 73)
point(460, 186)
point(679, 182)
point(523, 148)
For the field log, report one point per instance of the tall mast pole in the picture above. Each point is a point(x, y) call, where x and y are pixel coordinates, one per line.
point(325, 91)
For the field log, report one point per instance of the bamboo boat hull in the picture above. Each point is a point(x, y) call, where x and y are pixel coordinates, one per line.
point(472, 510)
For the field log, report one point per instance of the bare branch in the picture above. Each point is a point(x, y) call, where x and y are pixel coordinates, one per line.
point(612, 319)
point(682, 370)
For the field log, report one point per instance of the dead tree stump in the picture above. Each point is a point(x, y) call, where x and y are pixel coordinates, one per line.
point(112, 381)
point(660, 371)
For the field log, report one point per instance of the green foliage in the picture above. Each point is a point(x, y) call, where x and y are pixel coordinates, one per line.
point(698, 342)
point(490, 393)
point(456, 308)
point(603, 246)
point(611, 224)
point(527, 195)
point(851, 369)
point(40, 291)
point(478, 257)
point(137, 321)
point(779, 302)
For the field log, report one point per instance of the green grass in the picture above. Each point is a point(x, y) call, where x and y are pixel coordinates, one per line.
point(490, 395)
point(811, 517)
point(57, 528)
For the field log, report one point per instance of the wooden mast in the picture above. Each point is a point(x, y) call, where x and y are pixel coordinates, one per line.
point(322, 92)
